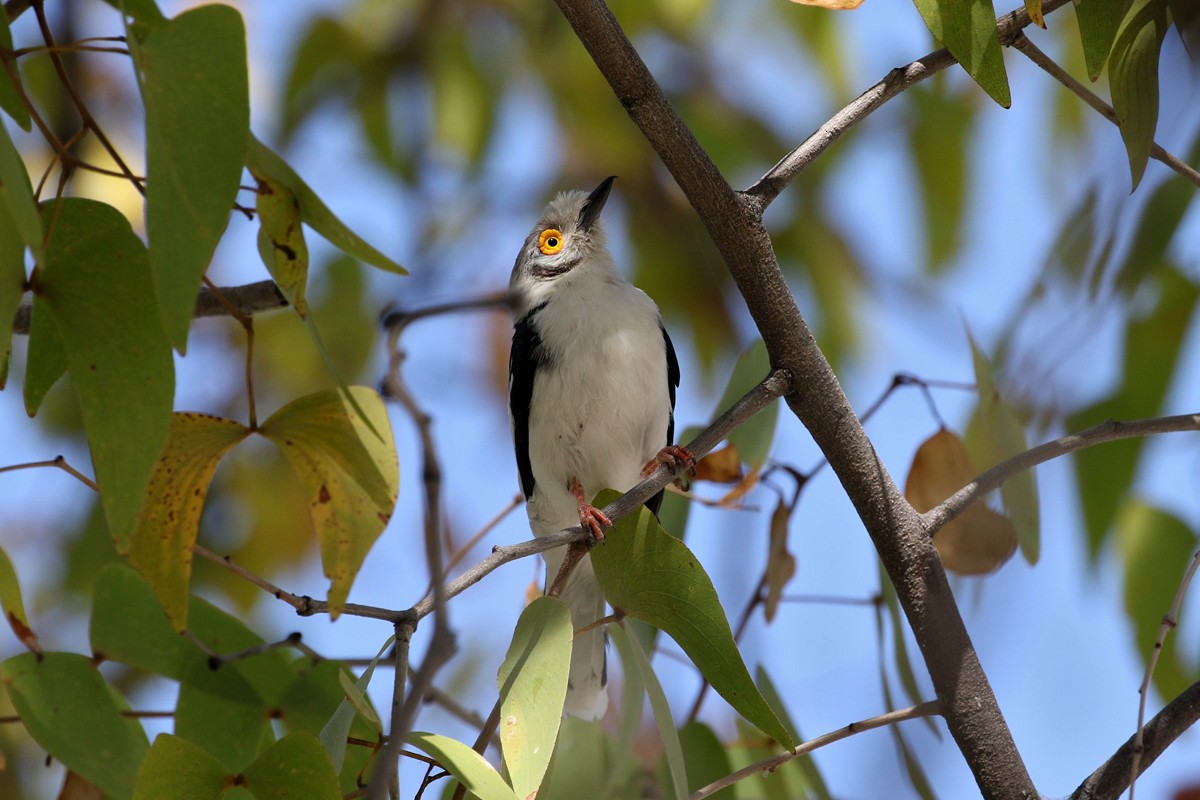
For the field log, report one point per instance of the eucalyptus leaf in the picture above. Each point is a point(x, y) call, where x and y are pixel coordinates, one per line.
point(968, 30)
point(467, 766)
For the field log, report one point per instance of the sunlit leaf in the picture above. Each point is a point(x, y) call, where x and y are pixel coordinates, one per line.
point(968, 30)
point(978, 540)
point(533, 686)
point(96, 290)
point(1156, 548)
point(1034, 9)
point(467, 766)
point(194, 83)
point(296, 766)
point(754, 437)
point(72, 713)
point(13, 606)
point(781, 565)
point(178, 769)
point(350, 476)
point(169, 521)
point(1133, 76)
point(995, 434)
point(667, 734)
point(652, 576)
point(281, 240)
point(263, 161)
point(1098, 23)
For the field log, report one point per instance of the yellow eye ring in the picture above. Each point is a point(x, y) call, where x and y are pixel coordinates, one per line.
point(550, 241)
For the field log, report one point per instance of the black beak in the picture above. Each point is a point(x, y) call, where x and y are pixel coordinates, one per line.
point(594, 203)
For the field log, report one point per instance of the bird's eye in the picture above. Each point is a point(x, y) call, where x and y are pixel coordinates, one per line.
point(550, 242)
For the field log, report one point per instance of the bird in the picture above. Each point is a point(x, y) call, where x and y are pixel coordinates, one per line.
point(592, 382)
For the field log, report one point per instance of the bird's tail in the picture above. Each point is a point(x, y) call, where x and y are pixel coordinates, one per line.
point(587, 682)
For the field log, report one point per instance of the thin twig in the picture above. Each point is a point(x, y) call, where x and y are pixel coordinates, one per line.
point(1022, 43)
point(1109, 431)
point(58, 462)
point(928, 709)
point(457, 557)
point(1169, 621)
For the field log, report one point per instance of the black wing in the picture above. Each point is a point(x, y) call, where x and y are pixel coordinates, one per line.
point(672, 383)
point(526, 356)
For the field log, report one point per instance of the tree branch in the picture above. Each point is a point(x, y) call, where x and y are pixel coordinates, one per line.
point(1111, 779)
point(771, 764)
point(247, 300)
point(777, 178)
point(734, 224)
point(1109, 431)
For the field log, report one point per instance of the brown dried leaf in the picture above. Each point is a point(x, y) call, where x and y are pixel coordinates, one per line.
point(741, 489)
point(720, 466)
point(781, 565)
point(979, 540)
point(839, 5)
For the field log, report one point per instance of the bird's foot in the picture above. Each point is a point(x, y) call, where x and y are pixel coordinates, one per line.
point(673, 456)
point(590, 517)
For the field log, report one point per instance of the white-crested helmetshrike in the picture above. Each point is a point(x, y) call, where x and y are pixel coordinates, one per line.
point(592, 379)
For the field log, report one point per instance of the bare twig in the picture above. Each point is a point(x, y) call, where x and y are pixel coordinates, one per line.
point(1112, 777)
point(461, 553)
point(894, 83)
point(892, 717)
point(1033, 53)
point(1109, 431)
point(1169, 621)
point(58, 462)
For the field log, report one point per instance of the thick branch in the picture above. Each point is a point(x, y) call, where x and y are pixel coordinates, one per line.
point(1109, 431)
point(734, 223)
point(1112, 778)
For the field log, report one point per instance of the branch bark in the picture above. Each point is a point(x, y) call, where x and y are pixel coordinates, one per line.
point(734, 223)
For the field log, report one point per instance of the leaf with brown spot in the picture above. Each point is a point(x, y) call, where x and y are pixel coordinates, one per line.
point(281, 242)
point(350, 474)
point(169, 521)
point(977, 541)
point(12, 605)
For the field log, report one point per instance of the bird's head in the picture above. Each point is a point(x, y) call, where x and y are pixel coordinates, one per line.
point(566, 244)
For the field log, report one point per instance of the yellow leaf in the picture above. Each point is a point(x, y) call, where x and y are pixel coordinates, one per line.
point(281, 242)
point(720, 466)
point(840, 5)
point(169, 520)
point(349, 474)
point(977, 541)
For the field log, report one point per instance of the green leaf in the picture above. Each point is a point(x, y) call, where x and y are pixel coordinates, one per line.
point(995, 434)
point(178, 769)
point(1156, 549)
point(70, 711)
point(281, 241)
point(262, 161)
point(296, 766)
point(652, 576)
point(12, 605)
point(193, 76)
point(169, 521)
point(1133, 77)
point(220, 711)
point(16, 194)
point(333, 734)
point(96, 290)
point(968, 30)
point(12, 286)
point(141, 10)
point(705, 758)
point(635, 660)
point(1153, 351)
point(805, 765)
point(350, 476)
point(611, 770)
point(1098, 23)
point(533, 687)
point(939, 137)
point(11, 99)
point(45, 361)
point(468, 767)
point(753, 438)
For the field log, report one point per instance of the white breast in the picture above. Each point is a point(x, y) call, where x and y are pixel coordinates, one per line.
point(600, 409)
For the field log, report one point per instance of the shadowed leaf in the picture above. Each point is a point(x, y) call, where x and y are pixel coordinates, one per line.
point(281, 240)
point(178, 769)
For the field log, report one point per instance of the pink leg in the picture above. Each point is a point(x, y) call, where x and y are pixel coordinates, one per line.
point(590, 517)
point(673, 456)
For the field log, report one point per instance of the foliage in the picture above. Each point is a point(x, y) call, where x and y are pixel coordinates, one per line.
point(103, 287)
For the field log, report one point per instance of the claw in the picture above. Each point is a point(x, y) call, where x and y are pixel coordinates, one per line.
point(673, 456)
point(590, 517)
